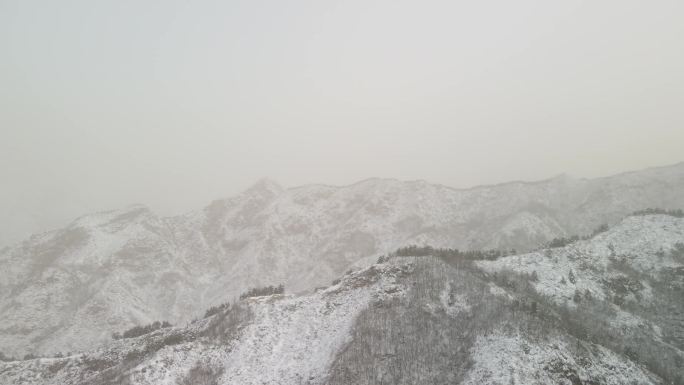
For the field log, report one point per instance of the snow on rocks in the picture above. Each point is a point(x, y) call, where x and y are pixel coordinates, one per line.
point(131, 267)
point(292, 339)
point(501, 358)
point(287, 339)
point(585, 266)
point(453, 303)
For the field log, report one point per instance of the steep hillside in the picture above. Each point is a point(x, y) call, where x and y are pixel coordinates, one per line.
point(274, 339)
point(67, 289)
point(408, 320)
point(622, 289)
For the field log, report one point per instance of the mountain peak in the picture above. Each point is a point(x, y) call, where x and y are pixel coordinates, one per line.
point(563, 177)
point(266, 184)
point(130, 212)
point(303, 237)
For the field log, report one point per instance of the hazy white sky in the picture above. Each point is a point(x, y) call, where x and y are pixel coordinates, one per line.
point(176, 103)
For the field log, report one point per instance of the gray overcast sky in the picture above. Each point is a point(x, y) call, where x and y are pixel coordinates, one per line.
point(176, 103)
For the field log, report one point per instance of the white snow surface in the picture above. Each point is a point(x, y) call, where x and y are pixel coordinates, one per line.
point(71, 288)
point(502, 358)
point(635, 240)
point(291, 339)
point(641, 242)
point(294, 341)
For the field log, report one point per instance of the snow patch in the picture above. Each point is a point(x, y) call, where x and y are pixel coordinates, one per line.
point(501, 358)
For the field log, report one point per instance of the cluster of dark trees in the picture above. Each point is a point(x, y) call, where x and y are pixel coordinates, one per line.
point(29, 356)
point(591, 319)
point(398, 342)
point(216, 309)
point(116, 369)
point(225, 325)
point(262, 291)
point(677, 252)
point(673, 213)
point(202, 373)
point(402, 343)
point(434, 348)
point(137, 331)
point(564, 241)
point(5, 358)
point(449, 254)
point(601, 229)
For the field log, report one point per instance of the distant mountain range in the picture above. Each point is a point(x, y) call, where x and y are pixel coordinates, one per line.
point(69, 289)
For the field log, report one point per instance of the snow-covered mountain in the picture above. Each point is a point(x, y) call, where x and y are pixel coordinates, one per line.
point(410, 320)
point(70, 288)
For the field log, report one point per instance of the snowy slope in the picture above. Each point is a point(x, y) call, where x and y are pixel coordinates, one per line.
point(67, 289)
point(283, 340)
point(640, 242)
point(292, 340)
point(502, 358)
point(625, 284)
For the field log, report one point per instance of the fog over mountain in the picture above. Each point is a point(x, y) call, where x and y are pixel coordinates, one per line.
point(606, 310)
point(104, 104)
point(105, 272)
point(455, 192)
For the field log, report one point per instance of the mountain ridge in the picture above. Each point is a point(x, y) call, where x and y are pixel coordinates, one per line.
point(274, 182)
point(104, 272)
point(423, 319)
